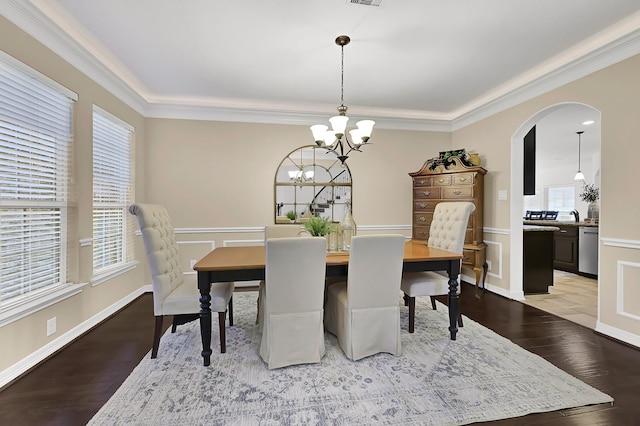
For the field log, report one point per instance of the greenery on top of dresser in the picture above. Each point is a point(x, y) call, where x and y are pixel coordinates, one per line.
point(445, 158)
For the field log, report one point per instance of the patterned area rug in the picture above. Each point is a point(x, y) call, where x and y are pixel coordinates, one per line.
point(479, 377)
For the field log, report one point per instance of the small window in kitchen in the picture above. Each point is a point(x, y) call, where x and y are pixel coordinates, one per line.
point(533, 202)
point(562, 199)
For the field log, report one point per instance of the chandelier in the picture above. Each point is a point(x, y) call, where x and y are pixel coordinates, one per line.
point(335, 138)
point(301, 175)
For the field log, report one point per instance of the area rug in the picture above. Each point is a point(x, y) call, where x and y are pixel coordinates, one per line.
point(479, 377)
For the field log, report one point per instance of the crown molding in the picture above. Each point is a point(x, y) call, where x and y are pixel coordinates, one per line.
point(595, 60)
point(33, 21)
point(607, 48)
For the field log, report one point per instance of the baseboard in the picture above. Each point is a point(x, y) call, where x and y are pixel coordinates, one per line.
point(32, 360)
point(617, 334)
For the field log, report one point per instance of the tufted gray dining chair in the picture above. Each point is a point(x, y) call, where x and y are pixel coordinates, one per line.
point(447, 232)
point(173, 292)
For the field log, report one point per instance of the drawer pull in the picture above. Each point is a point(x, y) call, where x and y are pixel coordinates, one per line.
point(441, 180)
point(462, 179)
point(421, 182)
point(423, 205)
point(457, 192)
point(426, 193)
point(423, 233)
point(422, 219)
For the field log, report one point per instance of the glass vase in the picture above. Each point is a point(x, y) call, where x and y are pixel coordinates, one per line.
point(593, 212)
point(347, 227)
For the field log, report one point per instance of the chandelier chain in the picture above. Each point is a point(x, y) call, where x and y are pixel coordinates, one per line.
point(342, 78)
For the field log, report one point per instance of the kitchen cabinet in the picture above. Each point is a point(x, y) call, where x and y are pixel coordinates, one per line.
point(537, 258)
point(575, 246)
point(565, 248)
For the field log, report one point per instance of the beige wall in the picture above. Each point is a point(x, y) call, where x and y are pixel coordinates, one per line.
point(615, 92)
point(27, 335)
point(220, 174)
point(216, 178)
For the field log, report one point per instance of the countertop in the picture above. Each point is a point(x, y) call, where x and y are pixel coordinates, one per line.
point(543, 228)
point(558, 223)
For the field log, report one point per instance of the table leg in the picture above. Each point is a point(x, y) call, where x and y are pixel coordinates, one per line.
point(454, 271)
point(204, 285)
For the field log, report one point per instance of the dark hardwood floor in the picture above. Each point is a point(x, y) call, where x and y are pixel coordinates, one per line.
point(70, 387)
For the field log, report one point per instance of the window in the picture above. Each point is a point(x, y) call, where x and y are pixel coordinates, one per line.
point(113, 228)
point(561, 199)
point(35, 148)
point(532, 202)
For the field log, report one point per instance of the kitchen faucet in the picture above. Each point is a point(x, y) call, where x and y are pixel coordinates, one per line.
point(576, 215)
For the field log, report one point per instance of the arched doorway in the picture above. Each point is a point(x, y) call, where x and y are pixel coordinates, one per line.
point(557, 114)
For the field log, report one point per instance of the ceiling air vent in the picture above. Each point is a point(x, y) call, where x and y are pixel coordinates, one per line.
point(375, 3)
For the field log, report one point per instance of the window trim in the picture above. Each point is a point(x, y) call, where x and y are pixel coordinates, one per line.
point(105, 273)
point(34, 302)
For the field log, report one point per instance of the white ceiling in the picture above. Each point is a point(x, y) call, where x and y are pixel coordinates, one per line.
point(419, 64)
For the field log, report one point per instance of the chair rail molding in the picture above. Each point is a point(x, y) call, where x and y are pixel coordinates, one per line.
point(617, 242)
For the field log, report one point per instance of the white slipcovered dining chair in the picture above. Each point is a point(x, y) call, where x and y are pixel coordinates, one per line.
point(292, 299)
point(173, 292)
point(364, 311)
point(274, 231)
point(447, 231)
point(270, 231)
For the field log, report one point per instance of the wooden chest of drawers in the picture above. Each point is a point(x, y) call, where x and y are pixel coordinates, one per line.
point(457, 182)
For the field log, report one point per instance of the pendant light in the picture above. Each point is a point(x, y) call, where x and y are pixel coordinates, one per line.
point(579, 175)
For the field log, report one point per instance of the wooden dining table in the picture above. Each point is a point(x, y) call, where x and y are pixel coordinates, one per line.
point(247, 263)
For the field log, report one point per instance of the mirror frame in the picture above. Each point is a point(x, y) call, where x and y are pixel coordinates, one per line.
point(330, 182)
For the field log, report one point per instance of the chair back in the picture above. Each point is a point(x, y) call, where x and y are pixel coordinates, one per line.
point(293, 331)
point(281, 231)
point(161, 249)
point(375, 271)
point(449, 225)
point(295, 274)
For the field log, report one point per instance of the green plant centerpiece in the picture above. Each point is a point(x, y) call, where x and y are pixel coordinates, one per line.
point(590, 193)
point(318, 226)
point(291, 215)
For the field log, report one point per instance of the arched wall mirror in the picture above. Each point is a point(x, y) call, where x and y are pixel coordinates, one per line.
point(311, 181)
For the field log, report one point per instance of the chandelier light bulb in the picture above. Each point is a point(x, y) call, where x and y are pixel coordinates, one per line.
point(329, 138)
point(366, 128)
point(319, 131)
point(357, 136)
point(339, 124)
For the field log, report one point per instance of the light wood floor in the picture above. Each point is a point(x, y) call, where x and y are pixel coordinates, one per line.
point(572, 297)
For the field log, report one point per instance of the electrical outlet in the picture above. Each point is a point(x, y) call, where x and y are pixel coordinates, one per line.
point(51, 326)
point(489, 265)
point(192, 263)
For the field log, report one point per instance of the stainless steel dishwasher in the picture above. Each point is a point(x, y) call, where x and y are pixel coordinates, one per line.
point(588, 250)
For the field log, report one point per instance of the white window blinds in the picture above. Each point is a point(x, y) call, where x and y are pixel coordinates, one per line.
point(35, 147)
point(113, 226)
